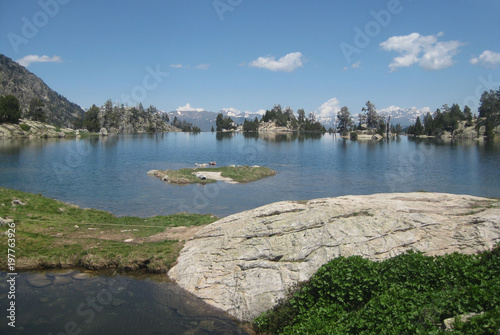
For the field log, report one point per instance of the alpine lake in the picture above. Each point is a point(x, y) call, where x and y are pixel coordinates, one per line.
point(110, 173)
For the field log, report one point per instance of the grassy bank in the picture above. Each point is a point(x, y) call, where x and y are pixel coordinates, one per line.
point(49, 233)
point(240, 174)
point(408, 294)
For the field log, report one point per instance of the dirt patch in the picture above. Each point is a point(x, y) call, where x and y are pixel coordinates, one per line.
point(174, 233)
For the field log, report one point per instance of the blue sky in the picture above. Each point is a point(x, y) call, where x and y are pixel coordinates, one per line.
point(251, 54)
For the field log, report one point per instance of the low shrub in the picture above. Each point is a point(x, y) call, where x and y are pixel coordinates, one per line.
point(408, 294)
point(25, 127)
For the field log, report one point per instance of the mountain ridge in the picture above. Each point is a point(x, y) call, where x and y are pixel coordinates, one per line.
point(16, 80)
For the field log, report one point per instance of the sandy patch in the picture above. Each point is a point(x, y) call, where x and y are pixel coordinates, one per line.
point(215, 176)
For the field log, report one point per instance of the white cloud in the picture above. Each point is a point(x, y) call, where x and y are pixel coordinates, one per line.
point(425, 51)
point(329, 109)
point(488, 58)
point(202, 66)
point(287, 63)
point(356, 65)
point(27, 60)
point(177, 66)
point(188, 108)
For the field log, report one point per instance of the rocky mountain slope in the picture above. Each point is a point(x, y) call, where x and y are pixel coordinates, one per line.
point(25, 86)
point(245, 262)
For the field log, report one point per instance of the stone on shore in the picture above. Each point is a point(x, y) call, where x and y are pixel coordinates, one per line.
point(244, 263)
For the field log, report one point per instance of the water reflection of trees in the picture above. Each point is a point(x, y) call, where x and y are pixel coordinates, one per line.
point(224, 135)
point(446, 142)
point(284, 137)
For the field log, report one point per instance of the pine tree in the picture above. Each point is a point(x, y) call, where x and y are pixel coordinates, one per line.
point(10, 110)
point(91, 119)
point(35, 111)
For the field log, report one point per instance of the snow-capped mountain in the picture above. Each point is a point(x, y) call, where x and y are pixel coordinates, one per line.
point(326, 121)
point(404, 116)
point(202, 119)
point(205, 120)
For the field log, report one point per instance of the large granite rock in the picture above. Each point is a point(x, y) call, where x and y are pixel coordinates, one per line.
point(245, 262)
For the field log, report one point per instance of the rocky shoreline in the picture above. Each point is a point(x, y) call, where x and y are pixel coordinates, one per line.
point(244, 263)
point(34, 129)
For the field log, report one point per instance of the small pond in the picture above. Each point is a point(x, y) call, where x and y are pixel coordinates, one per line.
point(70, 301)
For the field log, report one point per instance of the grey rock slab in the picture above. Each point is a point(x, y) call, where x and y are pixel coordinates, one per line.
point(244, 263)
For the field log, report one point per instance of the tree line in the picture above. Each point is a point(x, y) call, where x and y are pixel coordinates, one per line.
point(10, 110)
point(119, 116)
point(281, 117)
point(448, 118)
point(369, 119)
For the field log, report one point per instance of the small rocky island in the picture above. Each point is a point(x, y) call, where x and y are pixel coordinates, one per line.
point(203, 174)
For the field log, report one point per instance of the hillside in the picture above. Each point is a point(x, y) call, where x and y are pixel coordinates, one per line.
point(25, 86)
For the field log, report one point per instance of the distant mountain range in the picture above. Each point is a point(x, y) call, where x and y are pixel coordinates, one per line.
point(25, 86)
point(205, 119)
point(405, 116)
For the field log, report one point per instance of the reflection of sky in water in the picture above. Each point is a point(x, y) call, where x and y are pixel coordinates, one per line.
point(57, 301)
point(110, 173)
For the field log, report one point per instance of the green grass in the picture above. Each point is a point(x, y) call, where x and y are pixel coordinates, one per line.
point(241, 174)
point(50, 233)
point(408, 294)
point(185, 176)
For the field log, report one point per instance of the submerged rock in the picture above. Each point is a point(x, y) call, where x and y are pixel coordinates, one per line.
point(38, 280)
point(245, 263)
point(82, 276)
point(62, 280)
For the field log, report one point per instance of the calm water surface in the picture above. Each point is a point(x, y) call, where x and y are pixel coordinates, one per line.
point(62, 302)
point(110, 173)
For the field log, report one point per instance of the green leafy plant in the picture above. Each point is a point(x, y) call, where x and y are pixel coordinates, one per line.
point(408, 294)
